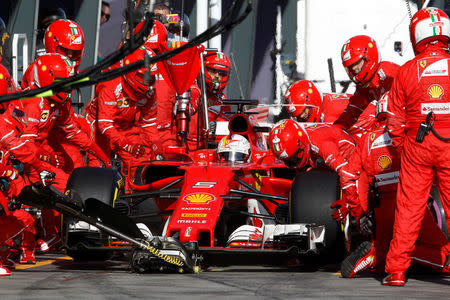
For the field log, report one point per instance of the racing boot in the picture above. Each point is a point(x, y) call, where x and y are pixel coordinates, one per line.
point(45, 245)
point(362, 258)
point(27, 257)
point(395, 279)
point(5, 263)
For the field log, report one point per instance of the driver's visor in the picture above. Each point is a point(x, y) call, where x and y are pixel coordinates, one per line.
point(222, 73)
point(233, 156)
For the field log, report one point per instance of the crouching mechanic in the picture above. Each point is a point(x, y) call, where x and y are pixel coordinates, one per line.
point(376, 161)
point(322, 144)
point(420, 102)
point(306, 104)
point(45, 113)
point(123, 112)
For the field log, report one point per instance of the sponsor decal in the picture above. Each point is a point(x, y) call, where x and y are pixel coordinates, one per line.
point(191, 221)
point(372, 136)
point(276, 140)
point(284, 154)
point(276, 148)
point(383, 140)
point(387, 178)
point(187, 233)
point(44, 115)
point(195, 208)
point(291, 108)
point(193, 215)
point(436, 108)
point(438, 68)
point(384, 162)
point(199, 198)
point(204, 185)
point(435, 91)
point(124, 102)
point(346, 56)
point(169, 62)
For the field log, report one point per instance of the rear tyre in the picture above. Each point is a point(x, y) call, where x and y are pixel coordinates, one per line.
point(312, 193)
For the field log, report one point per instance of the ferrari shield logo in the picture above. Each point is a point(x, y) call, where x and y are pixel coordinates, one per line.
point(423, 63)
point(199, 198)
point(44, 115)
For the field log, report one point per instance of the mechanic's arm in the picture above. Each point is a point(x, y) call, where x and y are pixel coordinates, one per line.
point(352, 112)
point(75, 135)
point(366, 120)
point(396, 120)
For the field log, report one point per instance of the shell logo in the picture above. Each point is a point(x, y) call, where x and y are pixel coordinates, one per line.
point(384, 162)
point(435, 91)
point(199, 198)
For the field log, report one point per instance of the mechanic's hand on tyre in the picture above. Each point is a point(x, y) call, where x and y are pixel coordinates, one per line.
point(137, 150)
point(47, 177)
point(342, 210)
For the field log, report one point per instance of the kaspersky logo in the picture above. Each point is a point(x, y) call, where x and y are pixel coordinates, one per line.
point(199, 198)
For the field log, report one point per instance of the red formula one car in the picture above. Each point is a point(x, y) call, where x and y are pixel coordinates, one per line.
point(199, 210)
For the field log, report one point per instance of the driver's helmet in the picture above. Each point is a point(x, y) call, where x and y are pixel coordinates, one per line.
point(234, 148)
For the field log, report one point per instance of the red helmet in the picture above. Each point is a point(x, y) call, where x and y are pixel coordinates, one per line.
point(135, 82)
point(220, 63)
point(157, 35)
point(49, 68)
point(6, 84)
point(301, 95)
point(289, 143)
point(360, 47)
point(14, 116)
point(65, 37)
point(429, 24)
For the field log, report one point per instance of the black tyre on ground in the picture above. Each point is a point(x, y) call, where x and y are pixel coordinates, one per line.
point(85, 183)
point(312, 194)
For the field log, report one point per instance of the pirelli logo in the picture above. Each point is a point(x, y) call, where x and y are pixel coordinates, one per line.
point(193, 215)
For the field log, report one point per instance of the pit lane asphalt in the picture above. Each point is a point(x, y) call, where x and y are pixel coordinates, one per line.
point(56, 276)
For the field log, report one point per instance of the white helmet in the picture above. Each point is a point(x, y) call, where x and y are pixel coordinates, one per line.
point(429, 24)
point(235, 148)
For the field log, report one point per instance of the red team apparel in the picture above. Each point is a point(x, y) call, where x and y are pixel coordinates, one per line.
point(422, 85)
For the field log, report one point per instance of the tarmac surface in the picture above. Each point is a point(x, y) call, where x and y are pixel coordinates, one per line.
point(56, 276)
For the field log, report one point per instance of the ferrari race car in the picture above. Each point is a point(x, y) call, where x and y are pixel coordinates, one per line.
point(201, 211)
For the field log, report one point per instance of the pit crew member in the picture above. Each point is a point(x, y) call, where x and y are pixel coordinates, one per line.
point(420, 103)
point(320, 145)
point(373, 78)
point(305, 103)
point(376, 160)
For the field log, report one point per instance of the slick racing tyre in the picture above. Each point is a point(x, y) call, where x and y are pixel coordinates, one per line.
point(82, 240)
point(312, 193)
